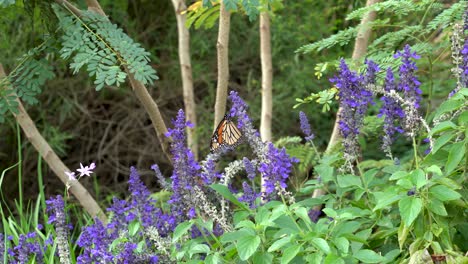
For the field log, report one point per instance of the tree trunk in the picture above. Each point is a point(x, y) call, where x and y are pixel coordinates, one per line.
point(267, 77)
point(54, 162)
point(223, 64)
point(186, 71)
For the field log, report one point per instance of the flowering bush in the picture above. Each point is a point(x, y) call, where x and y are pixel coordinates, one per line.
point(410, 212)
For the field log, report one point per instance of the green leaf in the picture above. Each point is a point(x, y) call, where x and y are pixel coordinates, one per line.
point(333, 259)
point(330, 212)
point(444, 193)
point(302, 213)
point(285, 222)
point(226, 193)
point(418, 178)
point(348, 180)
point(325, 172)
point(321, 244)
point(199, 248)
point(434, 169)
point(449, 183)
point(247, 245)
point(441, 141)
point(180, 230)
point(437, 207)
point(456, 154)
point(446, 125)
point(410, 207)
point(213, 259)
point(398, 175)
point(280, 243)
point(369, 256)
point(230, 5)
point(342, 244)
point(290, 253)
point(385, 199)
point(262, 258)
point(133, 227)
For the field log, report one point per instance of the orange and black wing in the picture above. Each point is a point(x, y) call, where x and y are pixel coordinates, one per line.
point(225, 134)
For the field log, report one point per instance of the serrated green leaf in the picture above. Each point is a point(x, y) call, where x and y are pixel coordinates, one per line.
point(456, 154)
point(180, 230)
point(199, 248)
point(133, 227)
point(246, 246)
point(226, 193)
point(321, 244)
point(348, 180)
point(410, 207)
point(444, 193)
point(368, 256)
point(262, 258)
point(278, 244)
point(385, 199)
point(437, 207)
point(443, 126)
point(418, 178)
point(289, 253)
point(342, 244)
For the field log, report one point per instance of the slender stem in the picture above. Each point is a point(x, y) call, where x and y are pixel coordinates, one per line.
point(20, 171)
point(415, 150)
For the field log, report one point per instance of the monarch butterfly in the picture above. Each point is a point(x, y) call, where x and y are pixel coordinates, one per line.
point(226, 134)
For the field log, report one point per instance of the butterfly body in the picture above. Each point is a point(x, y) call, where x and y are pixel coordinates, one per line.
point(225, 135)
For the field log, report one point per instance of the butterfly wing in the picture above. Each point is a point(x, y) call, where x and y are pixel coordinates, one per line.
point(226, 134)
point(217, 138)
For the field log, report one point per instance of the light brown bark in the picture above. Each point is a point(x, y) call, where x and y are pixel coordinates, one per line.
point(360, 48)
point(267, 77)
point(223, 63)
point(58, 167)
point(186, 71)
point(139, 88)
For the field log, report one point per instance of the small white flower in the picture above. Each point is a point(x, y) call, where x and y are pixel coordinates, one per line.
point(71, 176)
point(86, 170)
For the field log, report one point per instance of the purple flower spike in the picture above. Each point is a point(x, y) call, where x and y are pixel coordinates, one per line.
point(276, 168)
point(249, 196)
point(26, 250)
point(186, 170)
point(305, 126)
point(409, 84)
point(354, 101)
point(56, 207)
point(249, 168)
point(372, 69)
point(393, 113)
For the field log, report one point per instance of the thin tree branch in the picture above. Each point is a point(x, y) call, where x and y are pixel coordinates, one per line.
point(360, 48)
point(52, 159)
point(186, 71)
point(223, 63)
point(94, 6)
point(139, 88)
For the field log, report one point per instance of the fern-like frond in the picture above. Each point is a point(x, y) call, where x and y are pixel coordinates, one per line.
point(341, 38)
point(92, 41)
point(25, 81)
point(448, 16)
point(397, 7)
point(392, 39)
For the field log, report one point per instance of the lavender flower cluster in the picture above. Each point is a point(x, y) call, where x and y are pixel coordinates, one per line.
point(356, 94)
